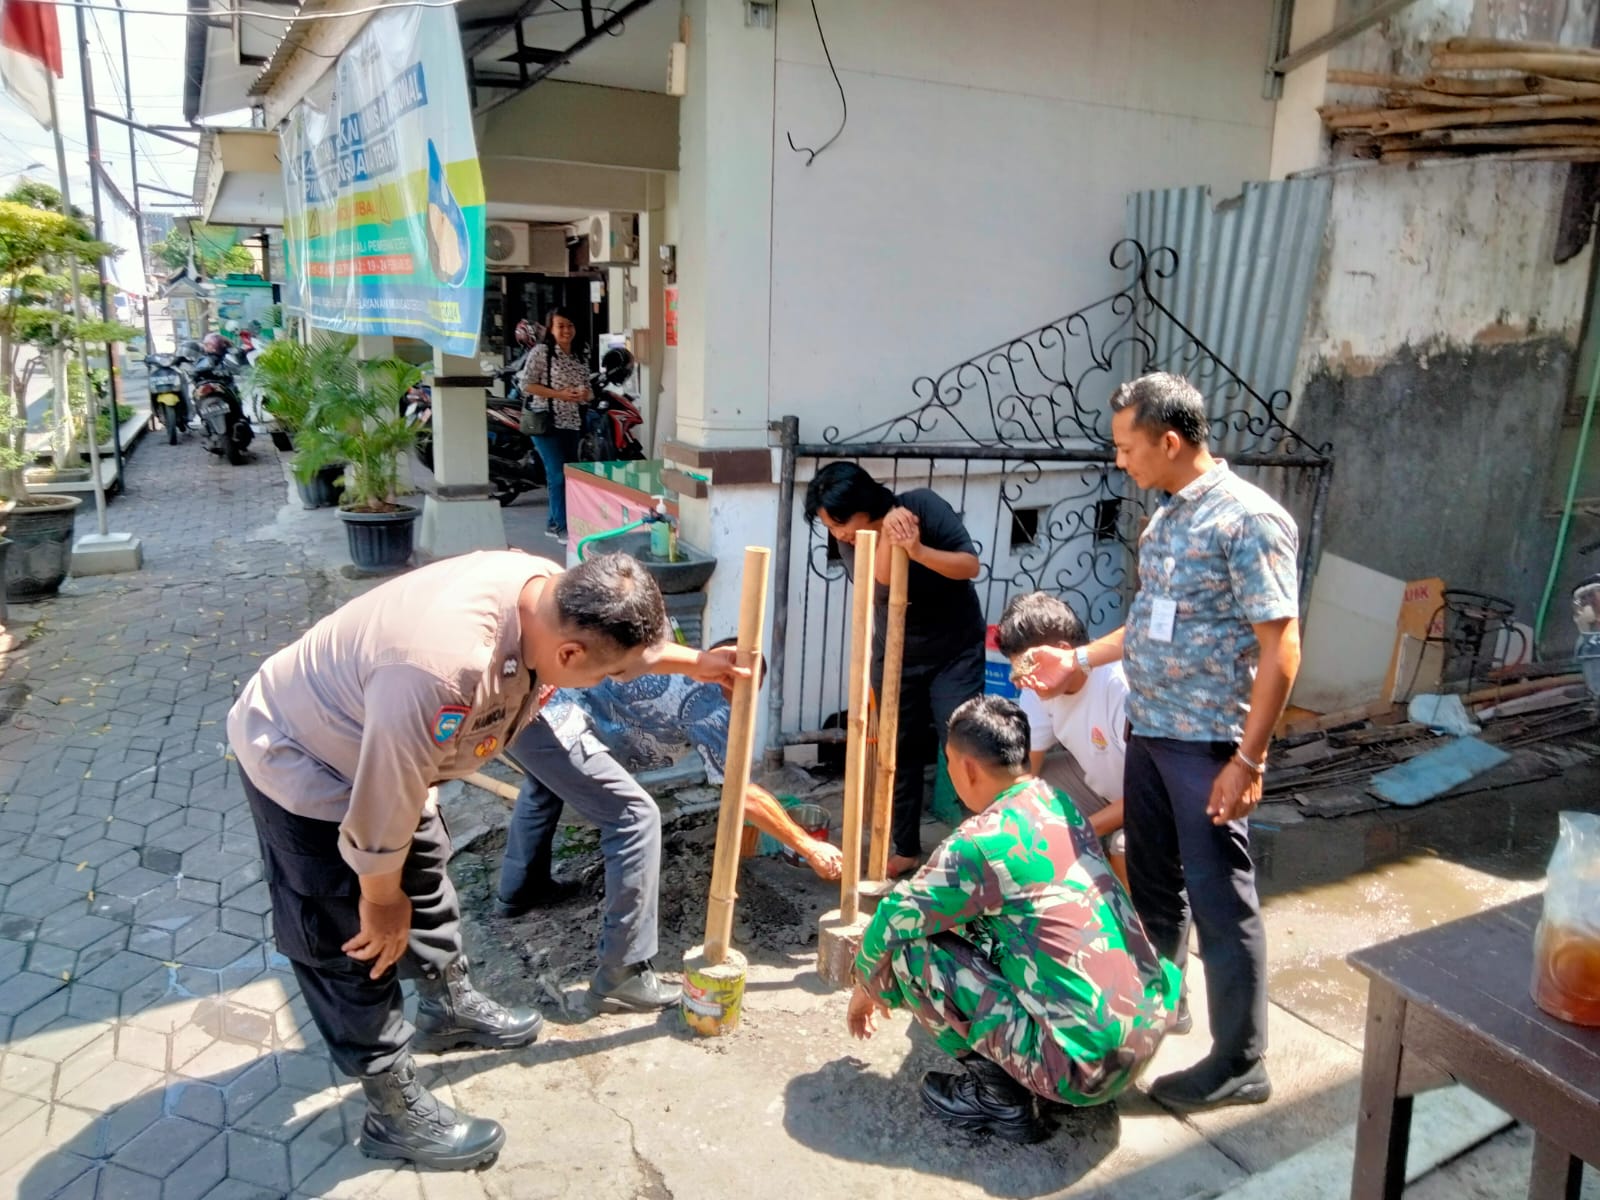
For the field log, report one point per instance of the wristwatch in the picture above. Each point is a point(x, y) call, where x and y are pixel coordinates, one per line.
point(1081, 657)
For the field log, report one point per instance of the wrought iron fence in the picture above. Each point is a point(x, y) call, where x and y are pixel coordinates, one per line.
point(1018, 440)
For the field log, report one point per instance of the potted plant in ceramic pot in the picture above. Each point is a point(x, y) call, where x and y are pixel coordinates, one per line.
point(356, 419)
point(288, 374)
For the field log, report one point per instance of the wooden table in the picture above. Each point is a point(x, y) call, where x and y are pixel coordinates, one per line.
point(1452, 1003)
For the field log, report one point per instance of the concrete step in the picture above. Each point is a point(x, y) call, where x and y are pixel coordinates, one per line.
point(1444, 1124)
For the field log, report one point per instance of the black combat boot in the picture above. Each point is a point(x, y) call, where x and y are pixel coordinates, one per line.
point(635, 987)
point(451, 1012)
point(406, 1121)
point(983, 1099)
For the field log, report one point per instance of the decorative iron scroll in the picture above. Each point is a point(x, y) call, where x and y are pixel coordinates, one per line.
point(1049, 387)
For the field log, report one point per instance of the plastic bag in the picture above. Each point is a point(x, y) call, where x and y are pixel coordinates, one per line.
point(1566, 946)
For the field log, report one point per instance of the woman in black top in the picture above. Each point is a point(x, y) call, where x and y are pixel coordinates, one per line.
point(943, 666)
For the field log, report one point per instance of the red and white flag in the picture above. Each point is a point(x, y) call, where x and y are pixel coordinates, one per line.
point(30, 48)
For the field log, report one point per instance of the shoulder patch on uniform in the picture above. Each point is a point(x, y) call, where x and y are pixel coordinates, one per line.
point(447, 722)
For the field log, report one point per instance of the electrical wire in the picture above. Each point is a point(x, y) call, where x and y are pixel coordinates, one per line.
point(844, 104)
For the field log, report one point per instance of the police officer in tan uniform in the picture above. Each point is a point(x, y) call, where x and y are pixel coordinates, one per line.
point(340, 738)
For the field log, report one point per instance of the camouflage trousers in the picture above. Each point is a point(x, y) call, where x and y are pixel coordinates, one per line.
point(960, 997)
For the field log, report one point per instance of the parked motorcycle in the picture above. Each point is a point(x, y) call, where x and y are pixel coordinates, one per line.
point(169, 392)
point(514, 466)
point(612, 416)
point(226, 430)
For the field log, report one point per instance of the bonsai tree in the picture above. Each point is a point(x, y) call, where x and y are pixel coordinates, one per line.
point(356, 418)
point(37, 244)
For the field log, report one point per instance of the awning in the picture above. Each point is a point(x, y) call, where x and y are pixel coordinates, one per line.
point(223, 56)
point(237, 178)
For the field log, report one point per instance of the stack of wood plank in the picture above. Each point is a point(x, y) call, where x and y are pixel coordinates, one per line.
point(1517, 100)
point(1325, 764)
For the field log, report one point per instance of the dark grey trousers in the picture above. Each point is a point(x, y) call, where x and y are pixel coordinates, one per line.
point(601, 790)
point(929, 692)
point(1182, 867)
point(315, 897)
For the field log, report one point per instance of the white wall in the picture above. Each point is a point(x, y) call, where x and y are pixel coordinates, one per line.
point(980, 182)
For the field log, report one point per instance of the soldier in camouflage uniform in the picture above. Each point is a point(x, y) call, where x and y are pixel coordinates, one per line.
point(1015, 947)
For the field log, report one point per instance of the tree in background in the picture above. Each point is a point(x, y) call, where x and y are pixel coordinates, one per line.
point(173, 252)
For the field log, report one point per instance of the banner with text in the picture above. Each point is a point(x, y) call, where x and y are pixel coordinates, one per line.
point(383, 222)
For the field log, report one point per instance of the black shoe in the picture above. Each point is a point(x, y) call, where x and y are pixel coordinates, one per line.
point(634, 987)
point(406, 1121)
point(451, 1013)
point(1213, 1083)
point(546, 895)
point(983, 1099)
point(1182, 1021)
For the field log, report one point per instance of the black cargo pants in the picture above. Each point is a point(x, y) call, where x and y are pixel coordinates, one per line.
point(315, 898)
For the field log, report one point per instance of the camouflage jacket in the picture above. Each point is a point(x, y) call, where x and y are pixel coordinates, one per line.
point(1026, 882)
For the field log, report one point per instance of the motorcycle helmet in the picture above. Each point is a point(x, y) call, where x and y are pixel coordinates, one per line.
point(215, 343)
point(527, 334)
point(616, 365)
point(193, 349)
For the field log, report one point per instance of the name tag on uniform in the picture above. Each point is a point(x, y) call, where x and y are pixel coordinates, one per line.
point(1163, 616)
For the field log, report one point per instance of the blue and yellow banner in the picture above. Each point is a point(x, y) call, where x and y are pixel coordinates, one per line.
point(383, 224)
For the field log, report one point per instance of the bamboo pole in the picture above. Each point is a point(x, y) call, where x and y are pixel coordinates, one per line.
point(1564, 66)
point(1574, 88)
point(736, 773)
point(1412, 121)
point(1516, 85)
point(1426, 98)
point(1469, 45)
point(894, 649)
point(1371, 79)
point(863, 586)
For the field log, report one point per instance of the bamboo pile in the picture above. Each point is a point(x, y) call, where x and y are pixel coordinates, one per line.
point(1510, 100)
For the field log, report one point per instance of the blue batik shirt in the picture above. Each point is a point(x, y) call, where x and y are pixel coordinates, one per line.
point(1224, 551)
point(647, 722)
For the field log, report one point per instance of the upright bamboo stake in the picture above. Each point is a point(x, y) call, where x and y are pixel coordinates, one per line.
point(894, 650)
point(840, 930)
point(736, 774)
point(855, 754)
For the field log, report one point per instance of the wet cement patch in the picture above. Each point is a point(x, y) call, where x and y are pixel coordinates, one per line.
point(1333, 886)
point(547, 956)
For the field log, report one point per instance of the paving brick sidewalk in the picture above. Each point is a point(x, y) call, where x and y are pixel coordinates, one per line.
point(153, 1044)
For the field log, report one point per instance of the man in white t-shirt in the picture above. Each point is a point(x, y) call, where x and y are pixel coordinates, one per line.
point(1086, 721)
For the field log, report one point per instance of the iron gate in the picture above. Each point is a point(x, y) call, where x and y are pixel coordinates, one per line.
point(1018, 440)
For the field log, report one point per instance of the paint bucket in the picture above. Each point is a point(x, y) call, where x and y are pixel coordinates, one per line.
point(817, 823)
point(713, 996)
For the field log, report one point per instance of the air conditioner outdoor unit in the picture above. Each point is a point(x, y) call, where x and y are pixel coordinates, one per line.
point(612, 241)
point(506, 244)
point(547, 251)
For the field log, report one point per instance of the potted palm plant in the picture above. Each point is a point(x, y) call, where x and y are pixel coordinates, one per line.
point(355, 419)
point(288, 373)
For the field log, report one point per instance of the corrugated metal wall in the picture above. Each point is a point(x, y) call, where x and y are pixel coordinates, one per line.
point(1245, 274)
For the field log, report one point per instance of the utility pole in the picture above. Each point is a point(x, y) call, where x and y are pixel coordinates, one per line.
point(93, 133)
point(133, 169)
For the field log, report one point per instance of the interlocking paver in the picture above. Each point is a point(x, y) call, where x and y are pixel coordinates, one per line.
point(201, 1173)
point(258, 1160)
point(155, 1046)
point(164, 1146)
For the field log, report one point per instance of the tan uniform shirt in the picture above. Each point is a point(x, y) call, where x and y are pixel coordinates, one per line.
point(419, 680)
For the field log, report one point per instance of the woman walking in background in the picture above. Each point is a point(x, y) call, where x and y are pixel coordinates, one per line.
point(555, 382)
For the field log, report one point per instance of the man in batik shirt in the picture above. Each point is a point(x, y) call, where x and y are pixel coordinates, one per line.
point(1210, 649)
point(1015, 947)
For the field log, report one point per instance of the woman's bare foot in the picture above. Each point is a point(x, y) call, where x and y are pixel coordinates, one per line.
point(826, 860)
point(902, 864)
